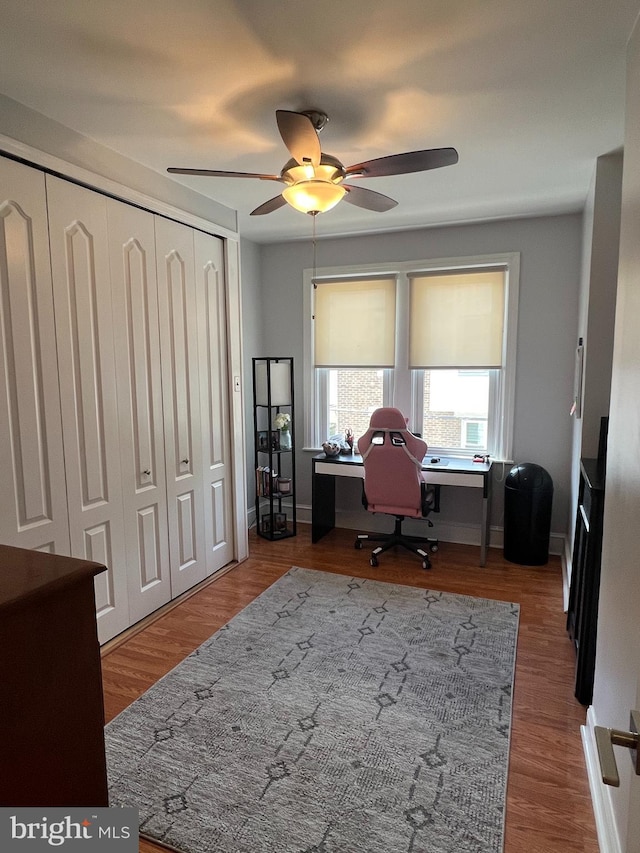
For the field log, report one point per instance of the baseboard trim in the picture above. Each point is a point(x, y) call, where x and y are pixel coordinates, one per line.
point(447, 531)
point(115, 642)
point(608, 839)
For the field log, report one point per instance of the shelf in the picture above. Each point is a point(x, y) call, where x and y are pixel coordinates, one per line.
point(281, 496)
point(273, 390)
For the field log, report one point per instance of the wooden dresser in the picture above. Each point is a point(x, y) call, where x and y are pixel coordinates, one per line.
point(51, 706)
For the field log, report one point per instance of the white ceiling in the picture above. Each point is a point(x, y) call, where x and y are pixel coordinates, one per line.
point(530, 92)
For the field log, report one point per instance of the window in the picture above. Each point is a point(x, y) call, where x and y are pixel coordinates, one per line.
point(436, 339)
point(456, 408)
point(353, 395)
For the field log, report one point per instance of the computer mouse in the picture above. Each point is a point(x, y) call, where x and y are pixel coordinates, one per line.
point(435, 459)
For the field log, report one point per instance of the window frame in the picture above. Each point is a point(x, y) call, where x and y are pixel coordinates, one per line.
point(402, 387)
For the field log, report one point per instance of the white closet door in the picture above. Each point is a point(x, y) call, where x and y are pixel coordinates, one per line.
point(84, 329)
point(33, 501)
point(139, 388)
point(214, 399)
point(180, 391)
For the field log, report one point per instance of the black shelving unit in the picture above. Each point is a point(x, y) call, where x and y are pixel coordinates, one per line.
point(275, 462)
point(582, 615)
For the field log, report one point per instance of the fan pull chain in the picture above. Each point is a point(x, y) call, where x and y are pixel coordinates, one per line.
point(314, 213)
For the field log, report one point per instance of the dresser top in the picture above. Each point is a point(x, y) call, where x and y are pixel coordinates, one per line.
point(25, 574)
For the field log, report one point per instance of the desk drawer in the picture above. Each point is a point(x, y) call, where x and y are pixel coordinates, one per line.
point(340, 469)
point(453, 478)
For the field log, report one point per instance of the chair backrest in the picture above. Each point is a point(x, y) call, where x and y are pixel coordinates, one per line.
point(392, 459)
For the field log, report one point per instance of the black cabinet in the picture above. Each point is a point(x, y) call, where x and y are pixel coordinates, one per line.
point(274, 434)
point(582, 616)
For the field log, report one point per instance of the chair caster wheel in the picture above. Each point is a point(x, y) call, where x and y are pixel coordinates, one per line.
point(373, 560)
point(433, 548)
point(426, 564)
point(358, 545)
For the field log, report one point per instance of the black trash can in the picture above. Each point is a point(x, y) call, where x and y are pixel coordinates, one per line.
point(528, 493)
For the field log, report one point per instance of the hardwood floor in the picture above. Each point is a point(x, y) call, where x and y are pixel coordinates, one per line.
point(548, 802)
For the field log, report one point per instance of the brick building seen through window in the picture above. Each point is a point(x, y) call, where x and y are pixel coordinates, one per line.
point(355, 394)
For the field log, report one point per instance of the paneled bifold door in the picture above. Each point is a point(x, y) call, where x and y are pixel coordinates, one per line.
point(114, 418)
point(214, 415)
point(33, 499)
point(79, 243)
point(179, 342)
point(194, 367)
point(139, 391)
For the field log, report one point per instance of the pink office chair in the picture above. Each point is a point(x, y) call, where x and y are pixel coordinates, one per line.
point(393, 483)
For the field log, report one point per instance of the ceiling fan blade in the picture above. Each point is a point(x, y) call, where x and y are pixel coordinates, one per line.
point(269, 206)
point(300, 136)
point(214, 173)
point(368, 199)
point(402, 164)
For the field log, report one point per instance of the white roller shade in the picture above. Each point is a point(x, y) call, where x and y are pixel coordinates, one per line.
point(354, 323)
point(457, 319)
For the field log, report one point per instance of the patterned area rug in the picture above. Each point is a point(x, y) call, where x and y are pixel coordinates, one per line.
point(332, 715)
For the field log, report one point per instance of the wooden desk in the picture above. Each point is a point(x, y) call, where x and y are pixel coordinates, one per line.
point(449, 471)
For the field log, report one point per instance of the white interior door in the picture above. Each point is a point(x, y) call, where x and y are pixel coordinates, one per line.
point(180, 388)
point(33, 497)
point(139, 389)
point(84, 331)
point(617, 677)
point(214, 399)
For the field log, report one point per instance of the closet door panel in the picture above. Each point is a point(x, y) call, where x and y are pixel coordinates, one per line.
point(183, 448)
point(214, 399)
point(33, 505)
point(139, 390)
point(84, 328)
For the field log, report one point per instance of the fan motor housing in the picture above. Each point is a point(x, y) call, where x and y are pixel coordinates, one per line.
point(330, 169)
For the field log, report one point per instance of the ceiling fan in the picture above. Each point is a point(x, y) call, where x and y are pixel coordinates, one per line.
point(315, 181)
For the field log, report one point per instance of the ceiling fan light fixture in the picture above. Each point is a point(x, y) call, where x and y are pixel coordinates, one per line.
point(313, 196)
point(313, 178)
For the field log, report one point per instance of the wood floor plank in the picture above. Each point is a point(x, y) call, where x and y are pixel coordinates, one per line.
point(548, 802)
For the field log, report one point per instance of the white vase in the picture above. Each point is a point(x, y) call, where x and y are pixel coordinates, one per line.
point(285, 439)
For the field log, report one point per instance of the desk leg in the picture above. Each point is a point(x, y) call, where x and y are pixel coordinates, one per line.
point(323, 505)
point(485, 533)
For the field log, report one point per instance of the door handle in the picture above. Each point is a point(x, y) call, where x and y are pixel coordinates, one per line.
point(605, 740)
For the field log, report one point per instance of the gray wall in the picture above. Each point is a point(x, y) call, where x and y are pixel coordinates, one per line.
point(550, 250)
point(599, 328)
point(253, 338)
point(600, 246)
